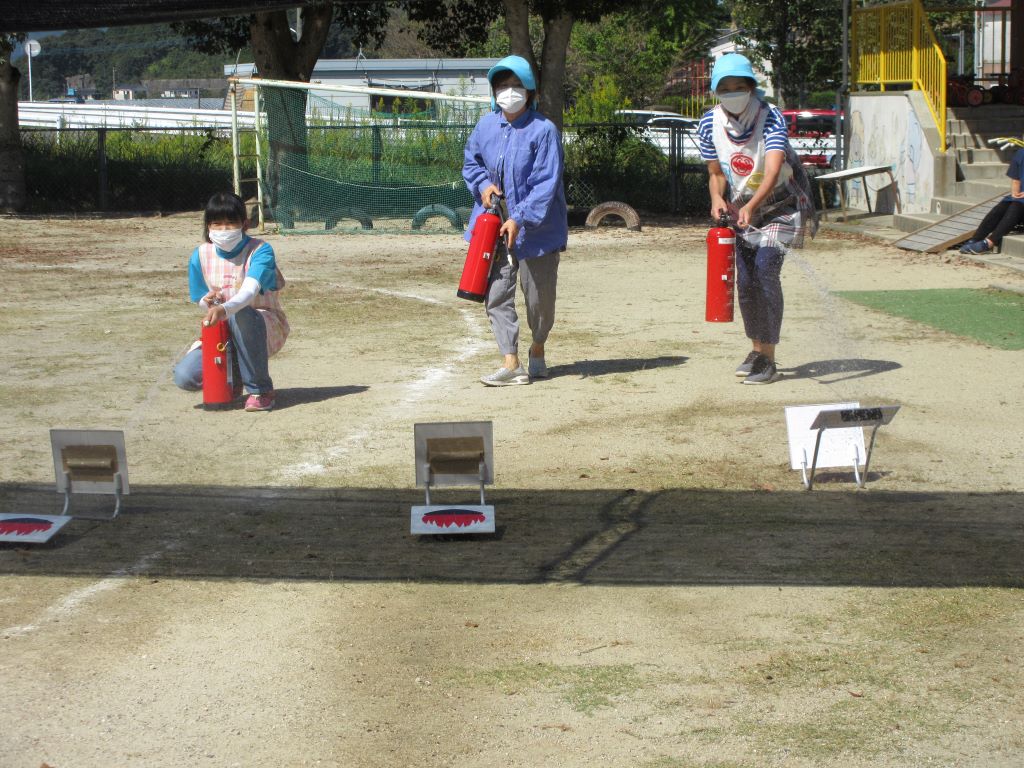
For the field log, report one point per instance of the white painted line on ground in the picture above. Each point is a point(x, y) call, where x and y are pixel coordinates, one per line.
point(70, 603)
point(429, 380)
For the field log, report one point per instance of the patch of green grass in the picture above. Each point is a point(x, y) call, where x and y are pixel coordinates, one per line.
point(990, 316)
point(584, 688)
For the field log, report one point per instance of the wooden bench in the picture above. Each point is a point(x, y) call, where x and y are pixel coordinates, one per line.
point(839, 177)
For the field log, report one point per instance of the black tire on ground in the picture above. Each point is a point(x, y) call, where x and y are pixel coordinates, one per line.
point(349, 213)
point(436, 209)
point(613, 208)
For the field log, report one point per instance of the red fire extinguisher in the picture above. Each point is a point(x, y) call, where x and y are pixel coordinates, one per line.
point(220, 385)
point(721, 243)
point(483, 244)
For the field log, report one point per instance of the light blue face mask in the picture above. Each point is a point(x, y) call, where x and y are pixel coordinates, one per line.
point(735, 102)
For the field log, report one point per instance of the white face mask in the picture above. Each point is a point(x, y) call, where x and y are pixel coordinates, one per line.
point(735, 102)
point(226, 239)
point(511, 100)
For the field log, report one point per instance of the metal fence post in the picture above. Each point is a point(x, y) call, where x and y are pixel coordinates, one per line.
point(101, 158)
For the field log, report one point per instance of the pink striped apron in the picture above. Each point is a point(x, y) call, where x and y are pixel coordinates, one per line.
point(226, 276)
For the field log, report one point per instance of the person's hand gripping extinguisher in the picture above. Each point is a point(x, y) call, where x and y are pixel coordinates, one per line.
point(493, 199)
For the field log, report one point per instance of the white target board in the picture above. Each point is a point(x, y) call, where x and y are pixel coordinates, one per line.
point(30, 529)
point(839, 447)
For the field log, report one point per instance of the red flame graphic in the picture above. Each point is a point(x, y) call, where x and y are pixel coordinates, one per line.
point(23, 526)
point(460, 518)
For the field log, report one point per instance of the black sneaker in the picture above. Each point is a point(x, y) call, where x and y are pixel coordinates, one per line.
point(763, 371)
point(747, 365)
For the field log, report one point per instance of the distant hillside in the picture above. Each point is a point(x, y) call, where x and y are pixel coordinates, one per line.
point(97, 59)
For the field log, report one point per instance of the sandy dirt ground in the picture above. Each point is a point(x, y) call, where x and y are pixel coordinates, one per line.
point(661, 592)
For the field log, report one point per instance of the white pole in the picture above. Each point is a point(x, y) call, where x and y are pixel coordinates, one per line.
point(235, 162)
point(29, 74)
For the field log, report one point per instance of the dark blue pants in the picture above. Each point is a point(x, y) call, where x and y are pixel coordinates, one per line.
point(759, 291)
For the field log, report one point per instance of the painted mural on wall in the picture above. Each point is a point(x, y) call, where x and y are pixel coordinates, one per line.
point(884, 130)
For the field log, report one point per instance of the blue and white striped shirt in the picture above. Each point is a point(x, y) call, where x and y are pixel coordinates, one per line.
point(776, 136)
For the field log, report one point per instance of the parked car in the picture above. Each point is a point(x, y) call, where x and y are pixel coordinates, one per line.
point(657, 128)
point(812, 134)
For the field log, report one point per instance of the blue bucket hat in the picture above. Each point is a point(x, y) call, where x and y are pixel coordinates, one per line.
point(731, 65)
point(519, 67)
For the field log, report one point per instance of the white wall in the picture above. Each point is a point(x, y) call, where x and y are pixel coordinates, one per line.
point(885, 129)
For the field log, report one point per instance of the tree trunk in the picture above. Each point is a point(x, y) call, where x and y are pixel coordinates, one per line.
point(556, 43)
point(551, 72)
point(12, 161)
point(517, 24)
point(279, 57)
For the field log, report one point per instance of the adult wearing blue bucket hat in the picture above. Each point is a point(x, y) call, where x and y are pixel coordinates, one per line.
point(757, 181)
point(514, 156)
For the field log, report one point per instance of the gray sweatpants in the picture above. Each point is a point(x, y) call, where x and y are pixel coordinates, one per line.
point(538, 277)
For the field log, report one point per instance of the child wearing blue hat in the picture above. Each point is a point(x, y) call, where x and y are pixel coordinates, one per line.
point(756, 179)
point(515, 153)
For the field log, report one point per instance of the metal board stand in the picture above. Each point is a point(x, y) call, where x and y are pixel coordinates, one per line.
point(453, 454)
point(91, 461)
point(833, 436)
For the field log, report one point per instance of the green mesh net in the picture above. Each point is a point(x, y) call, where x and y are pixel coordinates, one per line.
point(398, 168)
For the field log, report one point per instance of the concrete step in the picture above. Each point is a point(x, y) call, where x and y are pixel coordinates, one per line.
point(977, 140)
point(987, 110)
point(1013, 245)
point(980, 189)
point(947, 206)
point(1007, 125)
point(911, 222)
point(991, 170)
point(977, 155)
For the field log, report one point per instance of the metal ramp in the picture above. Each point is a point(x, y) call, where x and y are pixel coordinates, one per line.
point(949, 231)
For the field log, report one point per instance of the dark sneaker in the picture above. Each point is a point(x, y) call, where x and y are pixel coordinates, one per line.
point(264, 402)
point(968, 244)
point(747, 365)
point(503, 377)
point(763, 371)
point(978, 246)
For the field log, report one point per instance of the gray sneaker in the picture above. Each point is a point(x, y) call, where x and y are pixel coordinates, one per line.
point(538, 368)
point(763, 371)
point(747, 365)
point(503, 377)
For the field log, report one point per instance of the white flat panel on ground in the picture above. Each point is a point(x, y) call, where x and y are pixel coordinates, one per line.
point(839, 447)
point(30, 529)
point(452, 518)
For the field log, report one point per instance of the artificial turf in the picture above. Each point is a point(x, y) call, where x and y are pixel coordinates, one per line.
point(990, 316)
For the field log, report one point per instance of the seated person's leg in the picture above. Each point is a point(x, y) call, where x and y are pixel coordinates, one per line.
point(188, 373)
point(249, 333)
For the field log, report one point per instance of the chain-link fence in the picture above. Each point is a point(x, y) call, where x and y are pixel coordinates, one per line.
point(146, 170)
point(125, 169)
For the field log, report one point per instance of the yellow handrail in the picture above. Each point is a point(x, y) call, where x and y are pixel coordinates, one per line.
point(895, 45)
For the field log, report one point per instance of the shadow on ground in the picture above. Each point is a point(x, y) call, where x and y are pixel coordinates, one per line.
point(832, 371)
point(605, 536)
point(589, 368)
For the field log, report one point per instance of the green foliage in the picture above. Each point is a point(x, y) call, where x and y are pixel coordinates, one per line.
point(146, 171)
point(598, 105)
point(799, 37)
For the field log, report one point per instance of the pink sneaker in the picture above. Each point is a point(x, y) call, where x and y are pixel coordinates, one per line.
point(264, 402)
